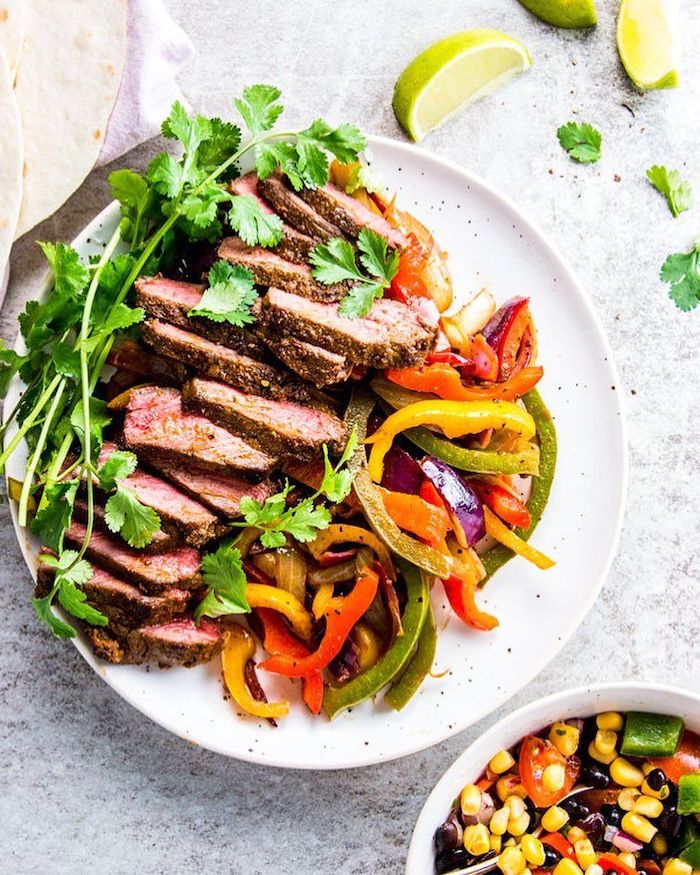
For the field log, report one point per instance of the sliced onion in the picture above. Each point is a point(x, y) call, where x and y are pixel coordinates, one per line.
point(610, 833)
point(332, 573)
point(461, 500)
point(401, 472)
point(497, 328)
point(626, 843)
point(576, 722)
point(485, 812)
point(291, 571)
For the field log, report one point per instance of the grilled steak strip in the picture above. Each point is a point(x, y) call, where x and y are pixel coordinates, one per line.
point(295, 210)
point(156, 427)
point(281, 427)
point(391, 336)
point(294, 246)
point(154, 574)
point(314, 363)
point(131, 356)
point(269, 269)
point(350, 215)
point(166, 539)
point(172, 300)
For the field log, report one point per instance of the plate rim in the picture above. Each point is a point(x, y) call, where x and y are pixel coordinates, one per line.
point(111, 213)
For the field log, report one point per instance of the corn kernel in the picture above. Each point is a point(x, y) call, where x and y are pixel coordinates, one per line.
point(575, 833)
point(595, 869)
point(627, 798)
point(606, 740)
point(501, 762)
point(515, 806)
point(554, 777)
point(648, 767)
point(470, 800)
point(610, 720)
point(585, 854)
point(554, 818)
point(638, 827)
point(495, 843)
point(660, 845)
point(510, 785)
point(511, 861)
point(677, 867)
point(510, 842)
point(499, 821)
point(476, 840)
point(518, 825)
point(566, 867)
point(628, 859)
point(533, 849)
point(663, 793)
point(565, 738)
point(624, 773)
point(594, 753)
point(648, 806)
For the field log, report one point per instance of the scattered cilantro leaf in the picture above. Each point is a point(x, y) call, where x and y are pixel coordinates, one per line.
point(259, 108)
point(71, 573)
point(673, 187)
point(120, 465)
point(125, 514)
point(267, 513)
point(269, 155)
point(334, 262)
point(582, 142)
point(230, 295)
point(358, 301)
point(337, 480)
point(224, 575)
point(223, 142)
point(202, 209)
point(60, 629)
point(682, 271)
point(255, 227)
point(375, 257)
point(165, 174)
point(69, 567)
point(70, 275)
point(55, 516)
point(74, 601)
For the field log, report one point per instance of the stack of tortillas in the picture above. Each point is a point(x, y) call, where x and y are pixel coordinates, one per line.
point(61, 64)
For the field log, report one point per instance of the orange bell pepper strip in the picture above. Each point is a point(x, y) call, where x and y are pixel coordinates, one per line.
point(503, 503)
point(339, 623)
point(408, 280)
point(277, 639)
point(413, 514)
point(486, 364)
point(444, 381)
point(460, 594)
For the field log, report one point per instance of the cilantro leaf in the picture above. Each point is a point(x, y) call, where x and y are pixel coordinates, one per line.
point(71, 573)
point(336, 485)
point(373, 255)
point(136, 203)
point(55, 516)
point(202, 208)
point(358, 301)
point(344, 142)
point(223, 574)
point(191, 132)
point(100, 418)
point(230, 295)
point(222, 143)
point(259, 108)
point(269, 155)
point(334, 262)
point(257, 514)
point(66, 360)
point(69, 567)
point(74, 601)
point(582, 142)
point(119, 466)
point(135, 522)
point(10, 363)
point(42, 607)
point(304, 521)
point(165, 173)
point(673, 187)
point(681, 271)
point(70, 276)
point(255, 227)
point(111, 281)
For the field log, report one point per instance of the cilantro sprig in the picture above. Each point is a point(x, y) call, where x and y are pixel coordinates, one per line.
point(70, 572)
point(582, 141)
point(334, 262)
point(229, 295)
point(677, 191)
point(225, 578)
point(682, 271)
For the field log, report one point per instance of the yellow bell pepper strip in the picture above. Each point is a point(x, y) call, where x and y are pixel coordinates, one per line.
point(238, 649)
point(261, 595)
point(323, 597)
point(443, 380)
point(370, 682)
point(339, 624)
point(341, 533)
point(499, 554)
point(414, 514)
point(454, 418)
point(501, 533)
point(425, 557)
point(368, 645)
point(413, 675)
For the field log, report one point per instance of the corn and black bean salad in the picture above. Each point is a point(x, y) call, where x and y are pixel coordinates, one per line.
point(612, 793)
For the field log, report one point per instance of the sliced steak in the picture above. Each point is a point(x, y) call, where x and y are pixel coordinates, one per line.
point(221, 492)
point(314, 363)
point(295, 210)
point(350, 215)
point(154, 574)
point(391, 336)
point(178, 642)
point(281, 427)
point(132, 357)
point(165, 539)
point(172, 300)
point(269, 269)
point(156, 426)
point(294, 246)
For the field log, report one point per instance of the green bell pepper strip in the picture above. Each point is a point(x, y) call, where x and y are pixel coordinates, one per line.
point(498, 555)
point(370, 682)
point(369, 496)
point(410, 679)
point(525, 461)
point(689, 794)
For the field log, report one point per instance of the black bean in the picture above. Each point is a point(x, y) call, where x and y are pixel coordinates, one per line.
point(576, 810)
point(457, 858)
point(448, 836)
point(656, 779)
point(670, 823)
point(595, 774)
point(551, 857)
point(612, 814)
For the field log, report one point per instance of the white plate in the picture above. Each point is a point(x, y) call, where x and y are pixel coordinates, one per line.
point(580, 702)
point(490, 244)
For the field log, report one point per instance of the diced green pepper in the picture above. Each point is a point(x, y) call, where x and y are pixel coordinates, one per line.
point(651, 735)
point(410, 679)
point(689, 794)
point(690, 832)
point(691, 854)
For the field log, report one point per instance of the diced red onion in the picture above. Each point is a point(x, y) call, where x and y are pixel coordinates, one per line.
point(485, 812)
point(576, 722)
point(610, 833)
point(626, 843)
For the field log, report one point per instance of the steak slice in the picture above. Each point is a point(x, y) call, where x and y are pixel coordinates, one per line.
point(294, 246)
point(314, 363)
point(156, 426)
point(165, 539)
point(172, 300)
point(350, 215)
point(281, 427)
point(295, 210)
point(180, 641)
point(391, 336)
point(269, 269)
point(132, 357)
point(221, 492)
point(153, 573)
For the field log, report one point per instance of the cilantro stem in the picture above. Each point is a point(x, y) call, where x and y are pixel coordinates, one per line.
point(36, 456)
point(31, 419)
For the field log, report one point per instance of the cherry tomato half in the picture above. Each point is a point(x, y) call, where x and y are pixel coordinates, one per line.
point(685, 760)
point(535, 755)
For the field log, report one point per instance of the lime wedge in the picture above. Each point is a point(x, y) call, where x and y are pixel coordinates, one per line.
point(563, 13)
point(645, 44)
point(452, 73)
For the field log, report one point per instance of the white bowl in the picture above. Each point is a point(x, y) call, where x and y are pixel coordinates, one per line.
point(579, 702)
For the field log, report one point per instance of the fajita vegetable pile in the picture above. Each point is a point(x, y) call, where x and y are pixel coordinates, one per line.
point(251, 422)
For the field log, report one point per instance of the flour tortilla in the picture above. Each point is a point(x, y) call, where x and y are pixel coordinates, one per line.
point(10, 164)
point(12, 32)
point(67, 83)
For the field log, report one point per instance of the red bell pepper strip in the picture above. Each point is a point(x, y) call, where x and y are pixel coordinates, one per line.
point(408, 280)
point(339, 624)
point(278, 640)
point(560, 844)
point(612, 863)
point(503, 503)
point(445, 382)
point(512, 342)
point(460, 594)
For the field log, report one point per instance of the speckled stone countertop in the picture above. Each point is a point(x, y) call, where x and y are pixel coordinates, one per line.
point(90, 785)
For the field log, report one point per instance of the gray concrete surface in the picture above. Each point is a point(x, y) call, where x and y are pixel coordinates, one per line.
point(87, 783)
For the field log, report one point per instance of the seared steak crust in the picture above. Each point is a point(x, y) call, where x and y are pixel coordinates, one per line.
point(295, 210)
point(314, 363)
